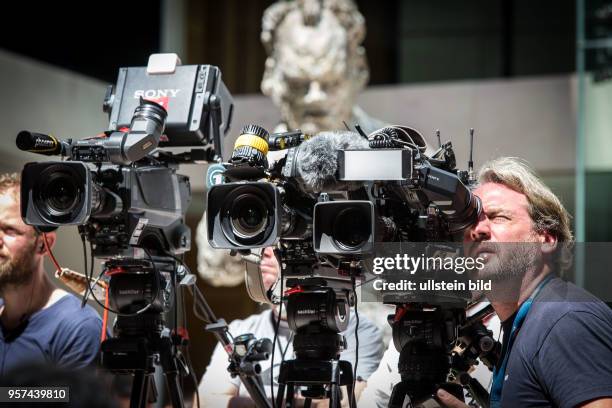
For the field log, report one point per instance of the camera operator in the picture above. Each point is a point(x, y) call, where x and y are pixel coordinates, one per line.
point(557, 341)
point(218, 389)
point(39, 322)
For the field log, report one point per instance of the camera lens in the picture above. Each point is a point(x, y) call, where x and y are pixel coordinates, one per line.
point(246, 213)
point(60, 194)
point(248, 216)
point(350, 229)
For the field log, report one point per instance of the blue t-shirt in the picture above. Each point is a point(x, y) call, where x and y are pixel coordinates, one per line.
point(562, 355)
point(63, 334)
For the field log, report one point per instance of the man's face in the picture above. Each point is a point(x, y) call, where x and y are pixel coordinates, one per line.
point(310, 80)
point(504, 235)
point(18, 243)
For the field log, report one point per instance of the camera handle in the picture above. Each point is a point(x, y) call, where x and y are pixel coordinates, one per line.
point(213, 105)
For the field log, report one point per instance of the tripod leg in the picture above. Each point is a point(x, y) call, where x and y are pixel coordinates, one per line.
point(351, 395)
point(290, 395)
point(280, 394)
point(140, 390)
point(171, 372)
point(176, 393)
point(399, 395)
point(334, 401)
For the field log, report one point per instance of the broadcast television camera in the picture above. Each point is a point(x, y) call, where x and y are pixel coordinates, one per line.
point(129, 201)
point(327, 206)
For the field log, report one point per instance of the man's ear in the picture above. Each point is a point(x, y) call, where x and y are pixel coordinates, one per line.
point(548, 242)
point(51, 238)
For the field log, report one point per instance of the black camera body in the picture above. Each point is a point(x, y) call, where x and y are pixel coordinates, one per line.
point(121, 190)
point(119, 207)
point(349, 197)
point(129, 202)
point(353, 199)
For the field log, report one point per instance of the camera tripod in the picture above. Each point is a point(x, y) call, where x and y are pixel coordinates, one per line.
point(428, 340)
point(425, 339)
point(314, 375)
point(136, 352)
point(316, 314)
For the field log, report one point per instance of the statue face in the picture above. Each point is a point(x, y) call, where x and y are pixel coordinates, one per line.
point(309, 77)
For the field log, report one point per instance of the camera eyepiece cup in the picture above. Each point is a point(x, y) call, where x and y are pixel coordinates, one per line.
point(150, 111)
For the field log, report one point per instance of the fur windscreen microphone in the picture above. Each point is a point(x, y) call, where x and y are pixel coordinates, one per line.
point(317, 160)
point(39, 143)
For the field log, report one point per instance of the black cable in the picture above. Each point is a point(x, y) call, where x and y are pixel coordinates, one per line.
point(193, 376)
point(187, 353)
point(255, 390)
point(86, 293)
point(196, 312)
point(176, 311)
point(276, 329)
point(186, 347)
point(108, 308)
point(197, 303)
point(198, 298)
point(353, 398)
point(176, 295)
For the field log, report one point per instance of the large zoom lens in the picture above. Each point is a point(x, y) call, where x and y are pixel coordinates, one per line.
point(245, 213)
point(60, 193)
point(64, 193)
point(343, 227)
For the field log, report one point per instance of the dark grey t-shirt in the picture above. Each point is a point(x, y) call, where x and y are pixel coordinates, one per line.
point(62, 334)
point(562, 355)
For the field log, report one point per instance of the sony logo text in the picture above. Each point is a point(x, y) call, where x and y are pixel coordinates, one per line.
point(156, 93)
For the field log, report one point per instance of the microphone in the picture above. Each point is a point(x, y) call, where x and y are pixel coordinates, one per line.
point(39, 143)
point(316, 160)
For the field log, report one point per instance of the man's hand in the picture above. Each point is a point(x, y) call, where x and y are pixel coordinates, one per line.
point(269, 267)
point(449, 400)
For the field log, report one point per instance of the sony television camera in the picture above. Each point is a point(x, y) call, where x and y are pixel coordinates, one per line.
point(129, 202)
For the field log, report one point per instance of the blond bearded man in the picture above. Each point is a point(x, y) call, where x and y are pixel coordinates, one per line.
point(39, 323)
